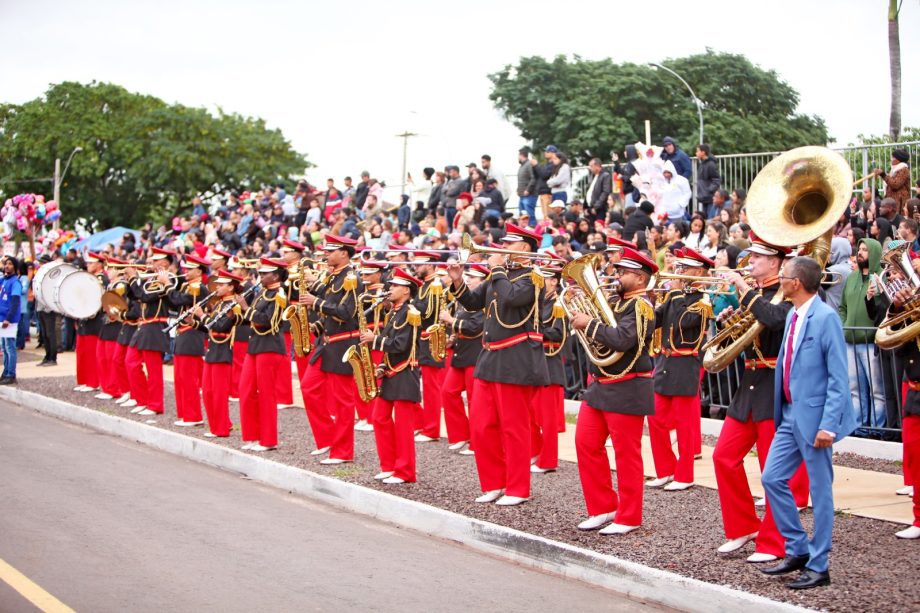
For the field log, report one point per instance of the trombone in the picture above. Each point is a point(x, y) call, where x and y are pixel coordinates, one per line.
point(368, 255)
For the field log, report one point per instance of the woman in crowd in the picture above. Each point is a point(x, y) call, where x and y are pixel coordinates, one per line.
point(697, 236)
point(716, 238)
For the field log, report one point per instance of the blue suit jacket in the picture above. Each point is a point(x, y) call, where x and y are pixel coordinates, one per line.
point(818, 379)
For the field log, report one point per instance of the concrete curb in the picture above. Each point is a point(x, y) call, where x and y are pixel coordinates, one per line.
point(634, 580)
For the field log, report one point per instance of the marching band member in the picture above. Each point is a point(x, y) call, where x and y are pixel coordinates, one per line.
point(89, 369)
point(430, 302)
point(374, 288)
point(549, 410)
point(510, 369)
point(129, 320)
point(112, 386)
point(188, 363)
point(241, 333)
point(394, 408)
point(149, 342)
point(683, 320)
point(220, 260)
point(466, 331)
point(291, 252)
point(328, 385)
point(617, 401)
point(266, 354)
point(749, 420)
point(219, 325)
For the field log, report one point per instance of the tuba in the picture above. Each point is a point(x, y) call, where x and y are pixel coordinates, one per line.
point(893, 332)
point(795, 200)
point(586, 295)
point(359, 356)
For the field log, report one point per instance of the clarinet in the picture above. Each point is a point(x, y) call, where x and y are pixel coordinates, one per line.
point(227, 308)
point(184, 314)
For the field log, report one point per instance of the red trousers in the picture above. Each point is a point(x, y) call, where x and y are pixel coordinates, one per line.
point(146, 389)
point(240, 349)
point(366, 409)
point(285, 380)
point(258, 403)
point(87, 367)
point(120, 371)
point(187, 371)
point(910, 435)
point(394, 432)
point(329, 399)
point(591, 432)
point(545, 437)
point(682, 413)
point(216, 396)
point(738, 516)
point(500, 420)
point(456, 381)
point(106, 354)
point(432, 380)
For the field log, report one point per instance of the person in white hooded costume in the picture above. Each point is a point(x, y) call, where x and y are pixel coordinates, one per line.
point(674, 193)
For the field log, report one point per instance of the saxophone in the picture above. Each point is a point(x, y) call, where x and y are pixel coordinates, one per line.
point(298, 315)
point(359, 356)
point(437, 333)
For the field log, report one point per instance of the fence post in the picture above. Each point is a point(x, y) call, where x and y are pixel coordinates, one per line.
point(695, 166)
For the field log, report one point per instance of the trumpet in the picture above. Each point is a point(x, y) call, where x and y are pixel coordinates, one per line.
point(245, 263)
point(724, 284)
point(124, 266)
point(368, 255)
point(153, 285)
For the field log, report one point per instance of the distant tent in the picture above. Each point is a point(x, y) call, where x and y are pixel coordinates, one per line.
point(112, 236)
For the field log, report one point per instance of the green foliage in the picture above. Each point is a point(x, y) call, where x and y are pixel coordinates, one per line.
point(593, 107)
point(142, 158)
point(907, 135)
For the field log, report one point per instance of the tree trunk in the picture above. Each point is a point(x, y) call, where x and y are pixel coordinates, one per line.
point(894, 60)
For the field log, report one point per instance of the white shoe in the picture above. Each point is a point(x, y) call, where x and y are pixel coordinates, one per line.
point(87, 388)
point(616, 528)
point(138, 409)
point(490, 496)
point(537, 470)
point(383, 475)
point(209, 435)
point(282, 407)
point(329, 461)
point(187, 424)
point(367, 428)
point(248, 446)
point(760, 558)
point(467, 451)
point(660, 482)
point(150, 421)
point(360, 424)
point(393, 480)
point(760, 502)
point(595, 521)
point(533, 459)
point(510, 501)
point(736, 544)
point(421, 438)
point(232, 399)
point(909, 533)
point(123, 398)
point(146, 412)
point(907, 490)
point(130, 402)
point(103, 396)
point(677, 486)
point(458, 446)
point(320, 451)
point(258, 447)
point(83, 388)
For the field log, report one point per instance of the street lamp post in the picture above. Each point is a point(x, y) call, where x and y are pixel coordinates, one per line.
point(59, 176)
point(697, 101)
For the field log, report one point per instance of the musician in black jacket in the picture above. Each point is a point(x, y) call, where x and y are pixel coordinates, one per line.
point(149, 342)
point(89, 369)
point(291, 252)
point(510, 370)
point(112, 387)
point(219, 325)
point(400, 381)
point(372, 304)
point(266, 354)
point(188, 363)
point(617, 401)
point(548, 408)
point(430, 302)
point(465, 328)
point(328, 386)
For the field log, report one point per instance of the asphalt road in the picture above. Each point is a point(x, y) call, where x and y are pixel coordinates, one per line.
point(104, 524)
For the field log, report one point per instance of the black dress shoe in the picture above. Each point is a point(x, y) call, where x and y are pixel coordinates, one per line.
point(790, 564)
point(809, 579)
point(7, 380)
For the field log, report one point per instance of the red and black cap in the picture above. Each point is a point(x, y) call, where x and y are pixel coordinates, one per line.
point(401, 277)
point(762, 247)
point(693, 258)
point(630, 258)
point(514, 234)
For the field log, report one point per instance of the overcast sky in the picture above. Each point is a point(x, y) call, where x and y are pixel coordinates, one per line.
point(342, 78)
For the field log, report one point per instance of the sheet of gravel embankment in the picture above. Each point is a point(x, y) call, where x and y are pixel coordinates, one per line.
point(870, 569)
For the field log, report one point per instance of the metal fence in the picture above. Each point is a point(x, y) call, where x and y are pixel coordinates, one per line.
point(874, 375)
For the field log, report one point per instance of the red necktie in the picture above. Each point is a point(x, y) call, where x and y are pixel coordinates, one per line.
point(787, 359)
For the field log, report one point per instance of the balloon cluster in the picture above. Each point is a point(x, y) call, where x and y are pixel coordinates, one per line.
point(23, 212)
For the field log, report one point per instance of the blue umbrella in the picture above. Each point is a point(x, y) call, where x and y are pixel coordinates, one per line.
point(112, 236)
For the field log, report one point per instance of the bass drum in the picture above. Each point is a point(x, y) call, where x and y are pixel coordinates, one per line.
point(66, 289)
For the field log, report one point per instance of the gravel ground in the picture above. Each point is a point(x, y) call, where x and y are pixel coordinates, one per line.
point(871, 569)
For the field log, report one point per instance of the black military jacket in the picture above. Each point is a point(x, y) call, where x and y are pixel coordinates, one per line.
point(682, 319)
point(189, 338)
point(264, 315)
point(432, 296)
point(467, 333)
point(221, 333)
point(398, 341)
point(555, 334)
point(150, 335)
point(337, 299)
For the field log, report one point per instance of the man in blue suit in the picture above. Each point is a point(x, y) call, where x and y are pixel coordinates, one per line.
point(812, 410)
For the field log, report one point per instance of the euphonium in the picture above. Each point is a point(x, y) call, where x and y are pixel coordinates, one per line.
point(892, 332)
point(587, 296)
point(359, 356)
point(795, 200)
point(299, 316)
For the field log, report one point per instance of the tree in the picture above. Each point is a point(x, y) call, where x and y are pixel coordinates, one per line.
point(894, 64)
point(592, 107)
point(142, 158)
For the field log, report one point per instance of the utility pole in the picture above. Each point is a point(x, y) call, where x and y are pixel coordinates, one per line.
point(405, 136)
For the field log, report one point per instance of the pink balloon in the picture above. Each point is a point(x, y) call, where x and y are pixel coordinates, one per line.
point(51, 205)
